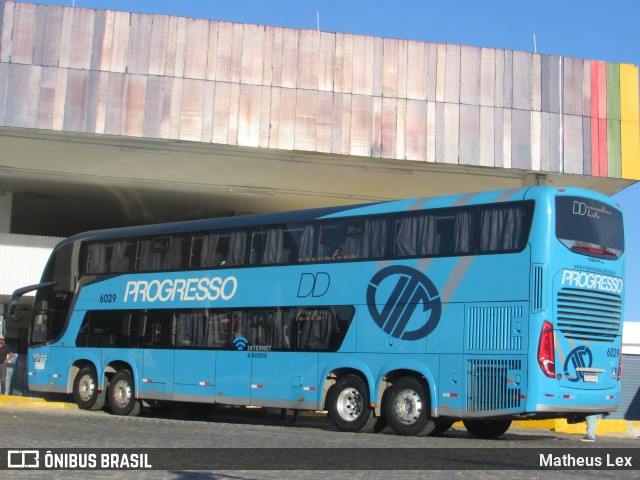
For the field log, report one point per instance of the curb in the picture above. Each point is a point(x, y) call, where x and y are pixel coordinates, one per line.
point(11, 401)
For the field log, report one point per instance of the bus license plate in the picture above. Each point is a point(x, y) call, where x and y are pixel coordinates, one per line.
point(590, 378)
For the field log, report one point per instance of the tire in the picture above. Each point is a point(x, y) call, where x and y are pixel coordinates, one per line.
point(348, 405)
point(122, 400)
point(487, 428)
point(442, 426)
point(407, 408)
point(87, 393)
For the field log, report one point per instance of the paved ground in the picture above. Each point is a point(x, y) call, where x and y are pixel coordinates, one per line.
point(48, 428)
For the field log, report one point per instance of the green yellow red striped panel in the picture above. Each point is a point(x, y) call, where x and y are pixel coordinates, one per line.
point(615, 121)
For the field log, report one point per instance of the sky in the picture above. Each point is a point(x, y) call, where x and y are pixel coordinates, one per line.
point(589, 29)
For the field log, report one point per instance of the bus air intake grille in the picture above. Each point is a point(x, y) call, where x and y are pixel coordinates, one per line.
point(538, 287)
point(589, 316)
point(489, 385)
point(491, 329)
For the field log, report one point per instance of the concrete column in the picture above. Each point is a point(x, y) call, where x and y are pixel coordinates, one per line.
point(6, 200)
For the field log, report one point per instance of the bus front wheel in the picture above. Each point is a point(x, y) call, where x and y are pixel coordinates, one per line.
point(348, 405)
point(486, 428)
point(86, 391)
point(122, 399)
point(407, 408)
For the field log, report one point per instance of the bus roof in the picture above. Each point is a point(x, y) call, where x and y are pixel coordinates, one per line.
point(317, 213)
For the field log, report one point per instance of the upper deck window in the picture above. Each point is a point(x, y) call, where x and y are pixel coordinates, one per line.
point(218, 249)
point(589, 227)
point(109, 257)
point(162, 253)
point(504, 228)
point(436, 233)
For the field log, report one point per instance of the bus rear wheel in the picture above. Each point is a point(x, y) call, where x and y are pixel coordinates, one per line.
point(122, 399)
point(348, 405)
point(86, 390)
point(487, 428)
point(407, 408)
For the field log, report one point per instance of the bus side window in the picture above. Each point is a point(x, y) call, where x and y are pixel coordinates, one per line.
point(202, 329)
point(82, 339)
point(437, 233)
point(504, 228)
point(354, 239)
point(161, 253)
point(158, 331)
point(112, 257)
point(316, 327)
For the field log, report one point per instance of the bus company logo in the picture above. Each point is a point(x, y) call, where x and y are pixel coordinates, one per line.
point(578, 358)
point(413, 300)
point(594, 281)
point(181, 289)
point(240, 343)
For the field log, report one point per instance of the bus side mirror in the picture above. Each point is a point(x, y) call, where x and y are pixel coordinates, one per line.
point(15, 297)
point(13, 308)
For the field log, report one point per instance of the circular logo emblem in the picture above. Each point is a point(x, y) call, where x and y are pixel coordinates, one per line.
point(403, 302)
point(579, 357)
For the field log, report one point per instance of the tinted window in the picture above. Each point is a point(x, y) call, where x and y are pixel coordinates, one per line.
point(255, 329)
point(504, 228)
point(202, 329)
point(162, 253)
point(321, 328)
point(435, 233)
point(157, 328)
point(353, 239)
point(589, 227)
point(109, 329)
point(110, 257)
point(218, 249)
point(280, 244)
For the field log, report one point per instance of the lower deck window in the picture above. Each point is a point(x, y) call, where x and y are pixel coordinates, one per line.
point(320, 328)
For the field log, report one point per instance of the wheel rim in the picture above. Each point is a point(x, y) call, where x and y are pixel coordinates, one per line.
point(349, 404)
point(86, 388)
point(122, 393)
point(407, 407)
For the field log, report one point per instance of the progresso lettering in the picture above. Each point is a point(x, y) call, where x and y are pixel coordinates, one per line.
point(181, 289)
point(595, 281)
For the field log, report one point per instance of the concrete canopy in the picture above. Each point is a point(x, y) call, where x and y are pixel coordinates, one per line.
point(57, 192)
point(111, 118)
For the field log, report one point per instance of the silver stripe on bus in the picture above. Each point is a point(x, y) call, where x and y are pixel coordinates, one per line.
point(419, 204)
point(463, 200)
point(506, 195)
point(454, 280)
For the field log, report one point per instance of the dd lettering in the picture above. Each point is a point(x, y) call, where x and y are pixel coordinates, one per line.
point(313, 284)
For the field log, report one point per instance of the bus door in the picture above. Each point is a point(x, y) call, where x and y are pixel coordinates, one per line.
point(283, 350)
point(233, 366)
point(158, 355)
point(233, 374)
point(284, 378)
point(199, 334)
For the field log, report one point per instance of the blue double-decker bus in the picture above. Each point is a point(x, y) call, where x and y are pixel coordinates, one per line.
point(481, 307)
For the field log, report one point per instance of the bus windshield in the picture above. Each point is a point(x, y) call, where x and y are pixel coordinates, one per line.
point(589, 227)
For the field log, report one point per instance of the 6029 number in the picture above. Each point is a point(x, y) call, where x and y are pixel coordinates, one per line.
point(108, 298)
point(613, 352)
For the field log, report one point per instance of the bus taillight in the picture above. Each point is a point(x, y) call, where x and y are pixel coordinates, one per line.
point(546, 354)
point(619, 367)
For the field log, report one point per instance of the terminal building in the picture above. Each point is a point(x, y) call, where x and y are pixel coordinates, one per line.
point(112, 118)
